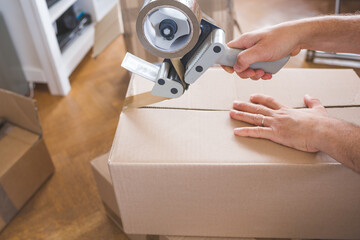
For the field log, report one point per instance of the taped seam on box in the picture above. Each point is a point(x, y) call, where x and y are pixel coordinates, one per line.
point(185, 109)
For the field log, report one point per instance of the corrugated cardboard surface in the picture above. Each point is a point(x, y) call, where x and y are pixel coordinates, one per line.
point(25, 163)
point(106, 191)
point(14, 136)
point(20, 111)
point(217, 90)
point(182, 172)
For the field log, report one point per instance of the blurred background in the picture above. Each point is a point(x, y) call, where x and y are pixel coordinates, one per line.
point(66, 54)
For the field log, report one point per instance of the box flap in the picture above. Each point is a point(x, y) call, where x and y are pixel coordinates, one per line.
point(99, 164)
point(14, 143)
point(105, 188)
point(34, 167)
point(20, 110)
point(334, 87)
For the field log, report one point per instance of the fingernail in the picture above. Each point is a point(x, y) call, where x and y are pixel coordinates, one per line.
point(230, 42)
point(252, 75)
point(237, 131)
point(237, 68)
point(236, 103)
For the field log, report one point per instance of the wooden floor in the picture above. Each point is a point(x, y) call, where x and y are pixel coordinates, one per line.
point(81, 126)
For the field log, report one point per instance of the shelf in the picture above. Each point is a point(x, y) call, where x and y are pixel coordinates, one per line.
point(59, 8)
point(73, 55)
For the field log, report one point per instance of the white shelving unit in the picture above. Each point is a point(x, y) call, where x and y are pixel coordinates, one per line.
point(73, 55)
point(58, 66)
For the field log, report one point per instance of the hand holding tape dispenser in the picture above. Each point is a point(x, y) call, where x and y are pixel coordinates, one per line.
point(175, 30)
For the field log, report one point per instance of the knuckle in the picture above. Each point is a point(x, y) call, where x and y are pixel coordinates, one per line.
point(242, 75)
point(258, 131)
point(258, 109)
point(255, 118)
point(241, 61)
point(239, 114)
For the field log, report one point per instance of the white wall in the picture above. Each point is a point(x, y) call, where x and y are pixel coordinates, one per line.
point(19, 32)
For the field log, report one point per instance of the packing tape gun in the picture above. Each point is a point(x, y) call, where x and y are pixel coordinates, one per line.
point(174, 30)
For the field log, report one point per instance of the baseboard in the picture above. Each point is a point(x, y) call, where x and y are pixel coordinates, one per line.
point(34, 75)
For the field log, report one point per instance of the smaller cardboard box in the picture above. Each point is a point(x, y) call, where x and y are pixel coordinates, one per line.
point(25, 162)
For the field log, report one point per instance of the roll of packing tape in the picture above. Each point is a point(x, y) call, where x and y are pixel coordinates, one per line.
point(183, 45)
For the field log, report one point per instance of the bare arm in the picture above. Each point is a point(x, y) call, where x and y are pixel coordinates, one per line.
point(341, 140)
point(313, 128)
point(329, 33)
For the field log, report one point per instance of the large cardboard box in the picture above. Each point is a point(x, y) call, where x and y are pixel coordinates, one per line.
point(179, 170)
point(25, 163)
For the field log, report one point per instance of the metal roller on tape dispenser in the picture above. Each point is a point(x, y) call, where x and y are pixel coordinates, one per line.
point(167, 37)
point(175, 30)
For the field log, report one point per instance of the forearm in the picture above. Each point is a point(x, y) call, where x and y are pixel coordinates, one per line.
point(329, 33)
point(339, 139)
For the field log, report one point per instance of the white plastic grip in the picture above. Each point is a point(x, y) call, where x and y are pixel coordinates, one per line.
point(230, 56)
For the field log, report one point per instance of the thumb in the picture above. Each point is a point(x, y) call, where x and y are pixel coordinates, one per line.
point(245, 41)
point(312, 102)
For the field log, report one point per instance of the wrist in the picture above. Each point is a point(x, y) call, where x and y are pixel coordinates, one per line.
point(324, 133)
point(304, 31)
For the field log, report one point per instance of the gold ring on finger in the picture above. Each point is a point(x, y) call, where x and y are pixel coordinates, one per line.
point(262, 121)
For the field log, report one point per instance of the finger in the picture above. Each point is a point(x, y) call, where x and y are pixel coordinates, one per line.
point(312, 102)
point(252, 108)
point(228, 69)
point(295, 52)
point(258, 74)
point(267, 76)
point(248, 57)
point(248, 73)
point(255, 132)
point(254, 119)
point(267, 101)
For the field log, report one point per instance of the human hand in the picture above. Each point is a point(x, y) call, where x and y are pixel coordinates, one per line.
point(264, 45)
point(295, 128)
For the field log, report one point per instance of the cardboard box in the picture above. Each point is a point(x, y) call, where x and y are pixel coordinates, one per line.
point(103, 180)
point(107, 30)
point(181, 171)
point(25, 163)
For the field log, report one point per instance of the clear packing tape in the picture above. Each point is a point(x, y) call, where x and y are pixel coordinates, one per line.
point(142, 100)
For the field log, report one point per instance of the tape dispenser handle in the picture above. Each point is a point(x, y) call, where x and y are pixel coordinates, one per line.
point(230, 56)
